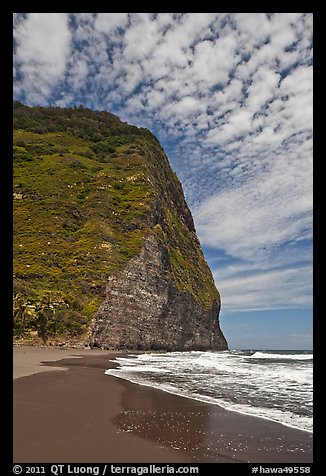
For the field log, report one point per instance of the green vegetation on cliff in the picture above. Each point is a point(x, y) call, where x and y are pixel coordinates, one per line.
point(87, 189)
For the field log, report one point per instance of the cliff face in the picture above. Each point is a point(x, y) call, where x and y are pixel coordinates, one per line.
point(105, 246)
point(145, 310)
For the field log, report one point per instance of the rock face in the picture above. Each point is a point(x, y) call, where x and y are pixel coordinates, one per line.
point(145, 310)
point(105, 248)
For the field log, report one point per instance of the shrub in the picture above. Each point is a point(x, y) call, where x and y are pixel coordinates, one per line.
point(77, 164)
point(21, 154)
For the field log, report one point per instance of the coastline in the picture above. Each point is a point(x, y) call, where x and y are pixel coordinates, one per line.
point(83, 415)
point(28, 360)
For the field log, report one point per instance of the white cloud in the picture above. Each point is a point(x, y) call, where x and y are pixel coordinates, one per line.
point(133, 75)
point(185, 107)
point(235, 125)
point(78, 73)
point(254, 29)
point(230, 95)
point(43, 42)
point(213, 61)
point(108, 22)
point(155, 98)
point(265, 290)
point(263, 87)
point(140, 38)
point(267, 210)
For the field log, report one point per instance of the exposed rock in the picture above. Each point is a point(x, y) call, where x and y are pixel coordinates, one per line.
point(145, 310)
point(105, 247)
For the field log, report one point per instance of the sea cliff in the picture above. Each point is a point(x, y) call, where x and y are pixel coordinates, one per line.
point(105, 248)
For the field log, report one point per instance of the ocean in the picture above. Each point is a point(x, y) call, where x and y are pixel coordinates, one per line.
point(275, 385)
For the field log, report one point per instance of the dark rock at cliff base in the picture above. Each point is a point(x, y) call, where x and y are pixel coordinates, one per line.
point(105, 248)
point(144, 309)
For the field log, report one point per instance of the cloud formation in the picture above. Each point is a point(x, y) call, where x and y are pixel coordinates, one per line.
point(42, 43)
point(264, 290)
point(229, 96)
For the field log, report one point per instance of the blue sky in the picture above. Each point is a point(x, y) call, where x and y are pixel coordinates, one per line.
point(230, 98)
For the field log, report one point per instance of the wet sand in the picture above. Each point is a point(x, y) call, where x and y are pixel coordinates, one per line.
point(83, 416)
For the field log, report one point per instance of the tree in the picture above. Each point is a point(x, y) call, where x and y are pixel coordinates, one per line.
point(47, 309)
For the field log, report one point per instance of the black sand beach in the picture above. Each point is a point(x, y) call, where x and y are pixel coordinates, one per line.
point(82, 415)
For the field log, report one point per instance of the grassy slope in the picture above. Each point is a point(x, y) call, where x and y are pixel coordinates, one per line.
point(85, 187)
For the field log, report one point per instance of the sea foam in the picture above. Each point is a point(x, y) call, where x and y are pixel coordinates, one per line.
point(272, 385)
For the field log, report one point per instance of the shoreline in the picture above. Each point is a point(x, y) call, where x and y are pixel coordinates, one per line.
point(310, 432)
point(27, 360)
point(84, 415)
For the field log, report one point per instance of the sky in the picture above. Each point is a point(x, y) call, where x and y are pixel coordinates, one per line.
point(229, 96)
